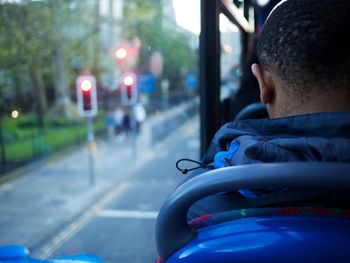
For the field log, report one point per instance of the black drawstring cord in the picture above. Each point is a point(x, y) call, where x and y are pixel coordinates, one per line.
point(186, 170)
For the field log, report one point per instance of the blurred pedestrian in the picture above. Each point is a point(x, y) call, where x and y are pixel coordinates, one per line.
point(139, 113)
point(119, 122)
point(127, 122)
point(110, 124)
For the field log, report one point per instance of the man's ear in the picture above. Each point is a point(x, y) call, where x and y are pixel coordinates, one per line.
point(266, 85)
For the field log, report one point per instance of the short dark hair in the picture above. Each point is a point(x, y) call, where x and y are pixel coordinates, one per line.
point(307, 44)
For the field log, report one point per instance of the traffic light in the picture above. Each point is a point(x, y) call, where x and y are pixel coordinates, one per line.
point(129, 89)
point(128, 82)
point(121, 53)
point(86, 96)
point(122, 57)
point(126, 55)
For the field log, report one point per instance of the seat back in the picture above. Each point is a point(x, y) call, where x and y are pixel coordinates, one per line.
point(253, 111)
point(172, 228)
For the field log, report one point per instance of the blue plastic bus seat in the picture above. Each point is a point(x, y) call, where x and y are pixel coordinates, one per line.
point(259, 235)
point(20, 254)
point(292, 238)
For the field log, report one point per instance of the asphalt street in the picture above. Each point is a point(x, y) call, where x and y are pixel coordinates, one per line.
point(55, 210)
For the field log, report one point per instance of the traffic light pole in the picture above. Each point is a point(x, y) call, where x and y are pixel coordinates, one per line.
point(87, 107)
point(91, 146)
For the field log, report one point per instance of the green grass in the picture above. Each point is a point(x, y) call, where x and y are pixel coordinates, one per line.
point(21, 150)
point(24, 142)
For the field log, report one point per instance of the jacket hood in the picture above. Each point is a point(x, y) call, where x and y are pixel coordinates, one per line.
point(310, 137)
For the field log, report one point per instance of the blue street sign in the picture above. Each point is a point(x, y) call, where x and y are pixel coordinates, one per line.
point(147, 83)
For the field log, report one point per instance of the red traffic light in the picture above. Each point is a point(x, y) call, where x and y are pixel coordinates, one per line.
point(121, 53)
point(86, 85)
point(86, 95)
point(128, 81)
point(129, 91)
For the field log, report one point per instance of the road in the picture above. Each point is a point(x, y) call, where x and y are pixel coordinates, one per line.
point(119, 226)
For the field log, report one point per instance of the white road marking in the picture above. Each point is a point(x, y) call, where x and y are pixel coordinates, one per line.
point(78, 224)
point(128, 214)
point(6, 187)
point(96, 210)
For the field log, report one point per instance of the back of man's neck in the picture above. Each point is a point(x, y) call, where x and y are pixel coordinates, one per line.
point(330, 103)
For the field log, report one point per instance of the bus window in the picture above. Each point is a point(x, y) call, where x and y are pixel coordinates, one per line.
point(230, 39)
point(98, 100)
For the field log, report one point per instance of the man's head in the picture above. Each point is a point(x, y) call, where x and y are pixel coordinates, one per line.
point(304, 54)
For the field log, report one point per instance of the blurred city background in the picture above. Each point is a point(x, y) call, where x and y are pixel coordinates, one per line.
point(98, 100)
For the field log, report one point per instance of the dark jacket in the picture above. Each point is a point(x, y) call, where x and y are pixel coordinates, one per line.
point(312, 137)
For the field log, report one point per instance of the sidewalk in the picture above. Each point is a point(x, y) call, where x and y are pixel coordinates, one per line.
point(50, 195)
